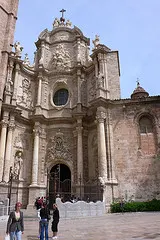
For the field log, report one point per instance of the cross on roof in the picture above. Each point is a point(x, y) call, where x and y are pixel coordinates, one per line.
point(63, 11)
point(138, 82)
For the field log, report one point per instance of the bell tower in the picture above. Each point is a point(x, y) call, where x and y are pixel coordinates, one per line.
point(8, 17)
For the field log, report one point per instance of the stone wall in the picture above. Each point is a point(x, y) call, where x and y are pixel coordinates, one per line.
point(80, 209)
point(137, 171)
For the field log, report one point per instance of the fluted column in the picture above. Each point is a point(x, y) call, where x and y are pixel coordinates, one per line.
point(39, 89)
point(102, 157)
point(35, 156)
point(7, 162)
point(3, 145)
point(79, 129)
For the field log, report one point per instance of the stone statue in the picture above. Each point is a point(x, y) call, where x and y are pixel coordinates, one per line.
point(68, 23)
point(18, 49)
point(56, 22)
point(18, 163)
point(95, 41)
point(26, 60)
point(100, 80)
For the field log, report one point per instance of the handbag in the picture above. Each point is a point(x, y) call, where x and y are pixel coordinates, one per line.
point(7, 237)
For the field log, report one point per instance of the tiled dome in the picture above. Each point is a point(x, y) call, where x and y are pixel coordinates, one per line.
point(139, 92)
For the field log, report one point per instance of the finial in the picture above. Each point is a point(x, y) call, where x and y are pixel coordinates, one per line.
point(62, 19)
point(138, 84)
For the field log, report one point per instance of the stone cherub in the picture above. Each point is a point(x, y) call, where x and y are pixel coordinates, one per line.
point(18, 49)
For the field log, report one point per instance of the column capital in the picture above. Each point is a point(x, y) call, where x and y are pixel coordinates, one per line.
point(11, 126)
point(37, 129)
point(100, 116)
point(4, 123)
point(79, 129)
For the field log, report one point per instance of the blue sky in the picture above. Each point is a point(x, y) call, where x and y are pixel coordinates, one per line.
point(129, 26)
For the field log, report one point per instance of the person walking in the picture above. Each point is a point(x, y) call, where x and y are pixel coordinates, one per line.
point(15, 224)
point(45, 217)
point(55, 221)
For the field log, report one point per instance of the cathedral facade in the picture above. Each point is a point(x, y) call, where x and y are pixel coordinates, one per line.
point(64, 127)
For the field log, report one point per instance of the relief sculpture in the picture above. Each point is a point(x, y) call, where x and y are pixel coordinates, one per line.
point(59, 148)
point(25, 98)
point(61, 59)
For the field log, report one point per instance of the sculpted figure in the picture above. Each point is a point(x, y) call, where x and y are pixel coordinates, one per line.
point(96, 41)
point(68, 23)
point(18, 162)
point(100, 80)
point(56, 22)
point(18, 49)
point(26, 60)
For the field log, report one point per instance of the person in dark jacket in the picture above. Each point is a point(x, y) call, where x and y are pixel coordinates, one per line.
point(45, 217)
point(55, 221)
point(15, 224)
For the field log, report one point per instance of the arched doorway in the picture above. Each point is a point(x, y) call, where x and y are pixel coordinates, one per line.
point(59, 183)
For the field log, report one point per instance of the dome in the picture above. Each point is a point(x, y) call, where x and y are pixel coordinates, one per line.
point(139, 92)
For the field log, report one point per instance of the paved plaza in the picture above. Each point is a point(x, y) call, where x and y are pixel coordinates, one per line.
point(127, 226)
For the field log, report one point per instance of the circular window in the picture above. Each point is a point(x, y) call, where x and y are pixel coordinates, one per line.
point(60, 97)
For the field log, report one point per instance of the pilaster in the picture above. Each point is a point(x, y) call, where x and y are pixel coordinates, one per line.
point(7, 164)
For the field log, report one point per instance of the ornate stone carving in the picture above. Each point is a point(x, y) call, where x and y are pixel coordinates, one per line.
point(58, 23)
point(61, 59)
point(92, 89)
point(25, 99)
point(101, 116)
point(18, 49)
point(59, 148)
point(18, 142)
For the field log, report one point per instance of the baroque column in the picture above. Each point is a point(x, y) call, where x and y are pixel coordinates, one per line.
point(102, 157)
point(35, 156)
point(4, 123)
point(8, 150)
point(79, 129)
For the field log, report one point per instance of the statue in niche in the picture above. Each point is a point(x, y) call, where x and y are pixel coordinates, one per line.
point(56, 22)
point(18, 164)
point(68, 23)
point(95, 41)
point(100, 80)
point(18, 49)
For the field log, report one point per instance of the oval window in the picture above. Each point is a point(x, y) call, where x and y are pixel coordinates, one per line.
point(60, 97)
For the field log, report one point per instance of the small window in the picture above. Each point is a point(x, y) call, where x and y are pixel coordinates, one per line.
point(60, 97)
point(145, 125)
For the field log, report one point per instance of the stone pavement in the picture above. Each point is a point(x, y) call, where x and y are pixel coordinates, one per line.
point(127, 226)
